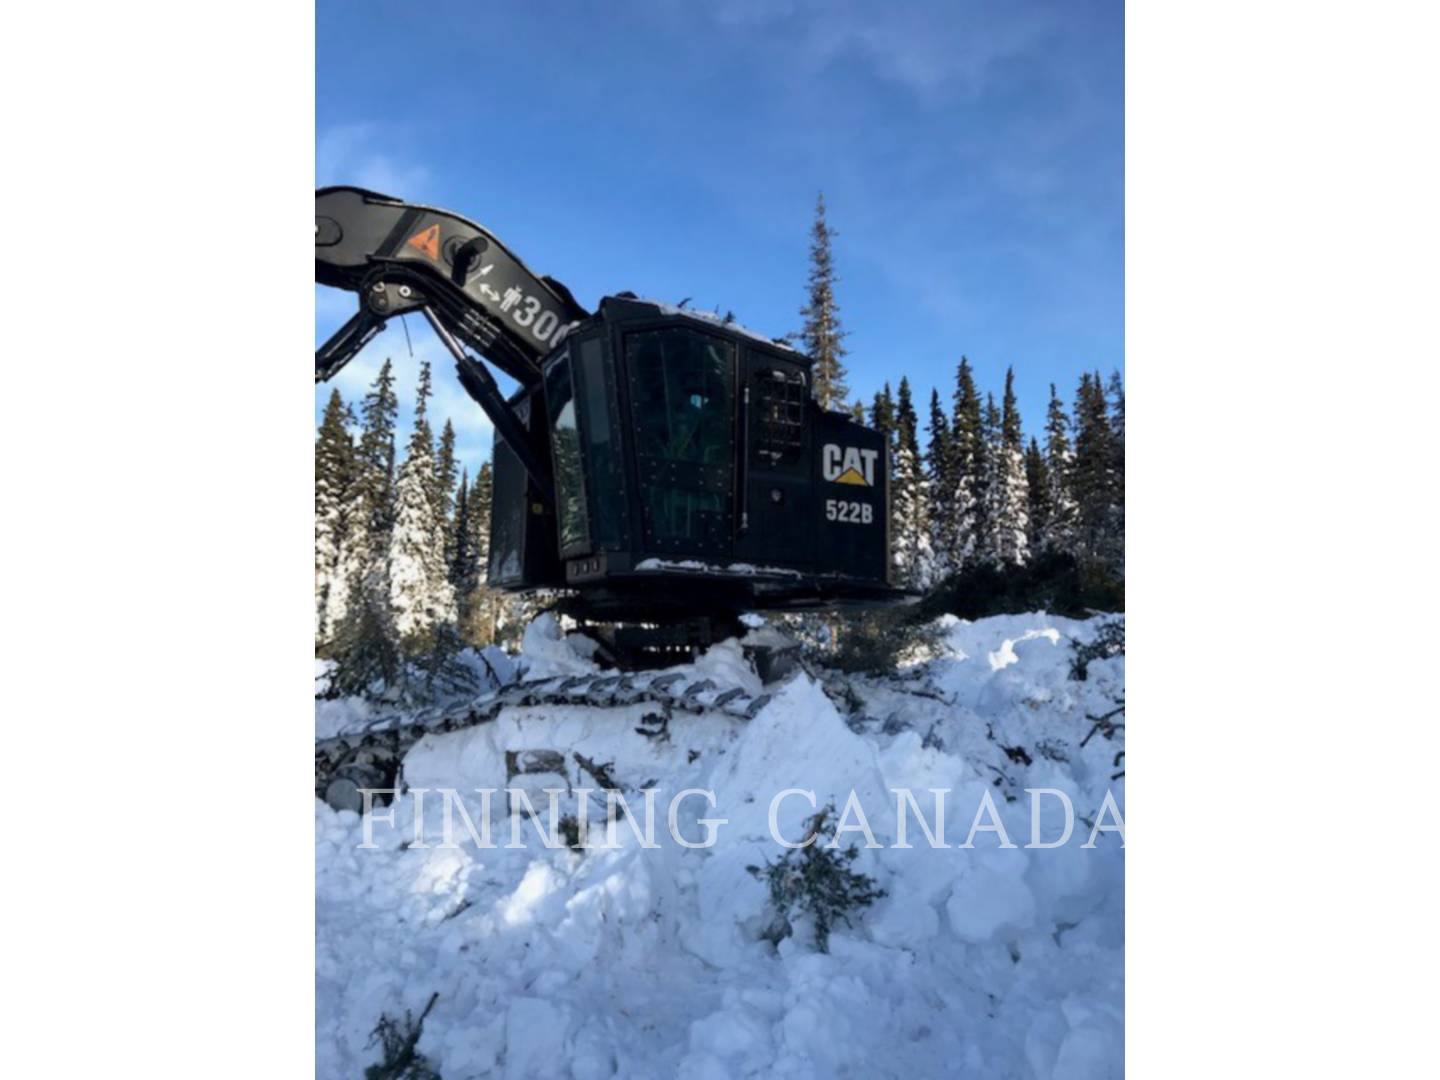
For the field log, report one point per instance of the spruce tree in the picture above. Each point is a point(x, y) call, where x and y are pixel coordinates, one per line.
point(376, 461)
point(422, 601)
point(461, 557)
point(988, 540)
point(822, 337)
point(1100, 535)
point(969, 463)
point(913, 556)
point(445, 466)
point(940, 471)
point(481, 604)
point(1037, 484)
point(1115, 391)
point(1060, 525)
point(334, 476)
point(882, 414)
point(364, 640)
point(1011, 491)
point(882, 419)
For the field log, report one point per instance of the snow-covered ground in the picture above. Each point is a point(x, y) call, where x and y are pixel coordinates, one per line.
point(633, 962)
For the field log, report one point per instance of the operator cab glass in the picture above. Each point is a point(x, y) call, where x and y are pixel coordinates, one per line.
point(682, 397)
point(574, 519)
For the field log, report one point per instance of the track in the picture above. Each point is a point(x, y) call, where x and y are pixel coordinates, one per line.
point(369, 756)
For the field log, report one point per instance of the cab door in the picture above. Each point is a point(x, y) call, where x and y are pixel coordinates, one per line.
point(682, 398)
point(775, 518)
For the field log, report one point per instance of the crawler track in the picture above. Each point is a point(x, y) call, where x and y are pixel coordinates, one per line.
point(369, 756)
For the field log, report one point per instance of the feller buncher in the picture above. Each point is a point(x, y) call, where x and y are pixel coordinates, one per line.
point(660, 470)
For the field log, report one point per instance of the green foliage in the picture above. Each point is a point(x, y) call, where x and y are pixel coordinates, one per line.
point(1055, 582)
point(816, 881)
point(821, 337)
point(397, 1039)
point(882, 413)
point(875, 642)
point(365, 648)
point(1109, 641)
point(443, 673)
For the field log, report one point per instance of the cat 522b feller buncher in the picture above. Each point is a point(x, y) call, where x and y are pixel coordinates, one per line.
point(662, 470)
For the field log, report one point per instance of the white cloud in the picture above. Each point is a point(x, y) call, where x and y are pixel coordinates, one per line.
point(352, 154)
point(930, 49)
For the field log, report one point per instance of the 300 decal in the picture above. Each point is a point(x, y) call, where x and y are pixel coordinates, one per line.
point(851, 513)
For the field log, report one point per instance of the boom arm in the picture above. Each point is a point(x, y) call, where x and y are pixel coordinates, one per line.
point(470, 287)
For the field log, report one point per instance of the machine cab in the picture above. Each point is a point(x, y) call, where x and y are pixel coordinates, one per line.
point(690, 464)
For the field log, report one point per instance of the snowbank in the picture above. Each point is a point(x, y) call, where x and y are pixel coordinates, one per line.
point(636, 962)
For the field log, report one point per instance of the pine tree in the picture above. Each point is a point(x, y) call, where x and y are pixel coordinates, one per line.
point(913, 556)
point(375, 465)
point(821, 337)
point(334, 476)
point(364, 640)
point(988, 540)
point(968, 460)
point(1011, 495)
point(445, 466)
point(940, 471)
point(1100, 537)
point(481, 612)
point(1115, 391)
point(1059, 534)
point(882, 415)
point(1037, 484)
point(461, 557)
point(421, 598)
point(857, 412)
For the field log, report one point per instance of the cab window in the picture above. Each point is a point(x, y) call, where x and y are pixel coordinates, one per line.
point(565, 453)
point(682, 392)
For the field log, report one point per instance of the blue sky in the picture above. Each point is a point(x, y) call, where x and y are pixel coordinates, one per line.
point(971, 154)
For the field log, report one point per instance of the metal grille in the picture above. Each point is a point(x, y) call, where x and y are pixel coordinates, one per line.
point(779, 416)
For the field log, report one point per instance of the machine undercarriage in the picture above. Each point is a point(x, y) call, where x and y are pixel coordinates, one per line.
point(661, 471)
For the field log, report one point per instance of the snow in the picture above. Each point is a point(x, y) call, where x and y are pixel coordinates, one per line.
point(987, 961)
point(739, 569)
point(716, 319)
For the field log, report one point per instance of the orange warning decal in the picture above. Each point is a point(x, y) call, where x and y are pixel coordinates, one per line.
point(427, 242)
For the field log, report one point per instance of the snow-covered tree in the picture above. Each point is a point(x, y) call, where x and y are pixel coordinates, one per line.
point(445, 468)
point(362, 632)
point(990, 546)
point(1096, 484)
point(421, 597)
point(481, 605)
point(334, 475)
point(940, 472)
point(1060, 524)
point(357, 602)
point(911, 550)
point(461, 560)
point(375, 462)
point(1010, 493)
point(1037, 483)
point(882, 415)
point(1115, 392)
point(969, 461)
point(821, 337)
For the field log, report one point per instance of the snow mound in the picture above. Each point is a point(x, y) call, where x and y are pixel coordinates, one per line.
point(647, 962)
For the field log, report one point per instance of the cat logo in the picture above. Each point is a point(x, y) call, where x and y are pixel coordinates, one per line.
point(848, 465)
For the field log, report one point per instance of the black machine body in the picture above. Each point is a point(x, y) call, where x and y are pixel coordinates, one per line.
point(656, 464)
